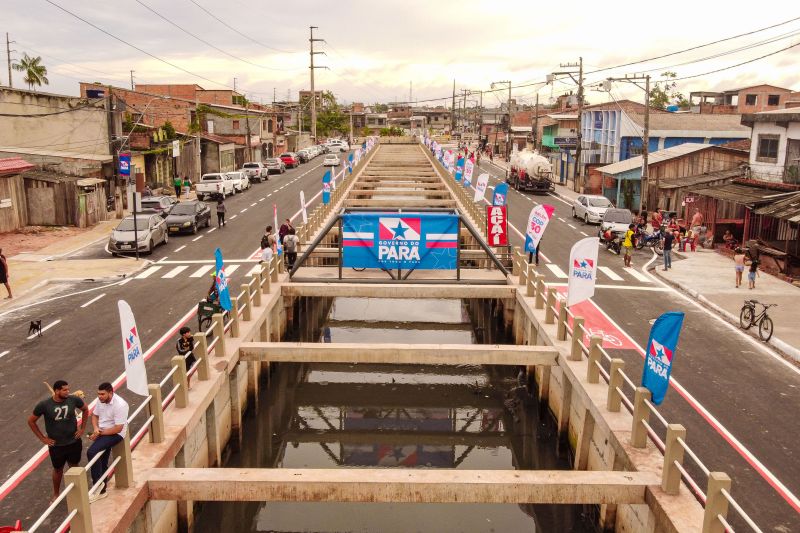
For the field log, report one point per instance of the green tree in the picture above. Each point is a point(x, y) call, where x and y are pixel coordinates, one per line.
point(35, 72)
point(330, 119)
point(365, 132)
point(665, 93)
point(380, 108)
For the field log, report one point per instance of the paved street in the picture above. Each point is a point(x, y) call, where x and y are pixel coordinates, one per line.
point(744, 430)
point(81, 343)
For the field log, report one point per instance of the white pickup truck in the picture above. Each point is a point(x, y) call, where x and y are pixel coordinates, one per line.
point(215, 184)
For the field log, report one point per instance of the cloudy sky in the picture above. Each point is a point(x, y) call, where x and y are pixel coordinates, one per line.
point(375, 49)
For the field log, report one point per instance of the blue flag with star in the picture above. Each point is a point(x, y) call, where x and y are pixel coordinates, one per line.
point(221, 281)
point(660, 354)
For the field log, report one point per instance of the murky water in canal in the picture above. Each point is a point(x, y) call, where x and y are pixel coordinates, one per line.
point(394, 416)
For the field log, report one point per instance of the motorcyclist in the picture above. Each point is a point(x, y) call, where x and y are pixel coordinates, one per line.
point(213, 293)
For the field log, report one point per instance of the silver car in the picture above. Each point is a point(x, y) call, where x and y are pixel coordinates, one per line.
point(590, 208)
point(151, 229)
point(275, 165)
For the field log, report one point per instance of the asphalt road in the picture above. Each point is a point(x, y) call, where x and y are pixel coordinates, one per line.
point(740, 400)
point(82, 344)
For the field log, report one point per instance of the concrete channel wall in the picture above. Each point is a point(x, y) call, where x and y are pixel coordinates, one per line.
point(602, 433)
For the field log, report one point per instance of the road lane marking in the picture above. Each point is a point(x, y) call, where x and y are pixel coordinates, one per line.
point(175, 271)
point(610, 273)
point(200, 271)
point(45, 328)
point(149, 272)
point(254, 204)
point(571, 226)
point(230, 269)
point(558, 198)
point(181, 248)
point(638, 275)
point(270, 194)
point(243, 210)
point(234, 216)
point(561, 219)
point(124, 281)
point(262, 199)
point(93, 300)
point(555, 269)
point(252, 271)
point(197, 238)
point(211, 230)
point(163, 259)
point(584, 234)
point(4, 354)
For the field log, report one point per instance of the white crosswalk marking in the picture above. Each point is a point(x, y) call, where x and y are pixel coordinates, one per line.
point(557, 271)
point(638, 275)
point(610, 273)
point(253, 270)
point(201, 271)
point(175, 271)
point(149, 272)
point(230, 269)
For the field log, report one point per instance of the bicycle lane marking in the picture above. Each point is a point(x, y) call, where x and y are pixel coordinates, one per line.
point(592, 311)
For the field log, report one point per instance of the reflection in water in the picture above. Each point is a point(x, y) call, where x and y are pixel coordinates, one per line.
point(394, 416)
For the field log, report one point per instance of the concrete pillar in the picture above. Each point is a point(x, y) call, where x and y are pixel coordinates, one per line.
point(234, 316)
point(154, 408)
point(584, 439)
point(566, 400)
point(236, 411)
point(185, 508)
point(530, 287)
point(540, 291)
point(273, 268)
point(123, 472)
point(212, 435)
point(266, 286)
point(517, 323)
point(593, 371)
point(576, 353)
point(253, 371)
point(257, 291)
point(549, 313)
point(78, 500)
point(247, 304)
point(641, 413)
point(200, 351)
point(716, 503)
point(673, 452)
point(614, 399)
point(533, 335)
point(561, 330)
point(218, 325)
point(523, 274)
point(181, 380)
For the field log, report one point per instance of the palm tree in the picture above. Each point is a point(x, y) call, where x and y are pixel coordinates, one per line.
point(35, 72)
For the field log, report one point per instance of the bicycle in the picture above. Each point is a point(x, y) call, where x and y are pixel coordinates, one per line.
point(748, 317)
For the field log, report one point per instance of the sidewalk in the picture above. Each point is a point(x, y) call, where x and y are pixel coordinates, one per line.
point(708, 277)
point(31, 272)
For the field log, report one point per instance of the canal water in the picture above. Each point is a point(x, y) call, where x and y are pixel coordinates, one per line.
point(395, 416)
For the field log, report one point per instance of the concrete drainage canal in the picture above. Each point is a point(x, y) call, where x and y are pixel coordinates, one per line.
point(395, 416)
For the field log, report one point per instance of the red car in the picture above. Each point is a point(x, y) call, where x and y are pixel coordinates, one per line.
point(290, 159)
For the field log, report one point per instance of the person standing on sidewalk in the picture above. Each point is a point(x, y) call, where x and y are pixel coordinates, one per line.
point(751, 275)
point(669, 237)
point(738, 262)
point(221, 209)
point(110, 422)
point(627, 245)
point(4, 276)
point(177, 182)
point(187, 186)
point(63, 438)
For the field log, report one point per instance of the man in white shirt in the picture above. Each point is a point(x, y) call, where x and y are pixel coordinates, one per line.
point(109, 422)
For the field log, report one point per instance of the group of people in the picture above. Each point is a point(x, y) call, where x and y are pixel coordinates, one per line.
point(182, 185)
point(670, 232)
point(742, 259)
point(63, 432)
point(288, 239)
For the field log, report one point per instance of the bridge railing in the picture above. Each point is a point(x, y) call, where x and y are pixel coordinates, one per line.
point(570, 327)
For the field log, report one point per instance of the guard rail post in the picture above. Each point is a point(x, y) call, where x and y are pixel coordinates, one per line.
point(200, 352)
point(234, 316)
point(530, 288)
point(274, 268)
point(257, 292)
point(219, 332)
point(523, 274)
point(593, 372)
point(515, 264)
point(716, 503)
point(540, 291)
point(614, 399)
point(123, 472)
point(154, 407)
point(576, 353)
point(561, 331)
point(248, 304)
point(641, 414)
point(266, 279)
point(549, 313)
point(673, 452)
point(78, 500)
point(180, 380)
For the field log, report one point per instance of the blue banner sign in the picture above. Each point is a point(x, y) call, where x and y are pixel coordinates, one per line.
point(660, 354)
point(326, 187)
point(500, 196)
point(221, 281)
point(125, 164)
point(422, 241)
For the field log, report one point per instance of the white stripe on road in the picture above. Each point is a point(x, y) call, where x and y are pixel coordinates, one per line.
point(234, 216)
point(181, 248)
point(93, 300)
point(638, 275)
point(200, 271)
point(561, 219)
point(212, 229)
point(253, 270)
point(124, 281)
point(48, 326)
point(254, 204)
point(610, 273)
point(175, 271)
point(584, 234)
point(270, 194)
point(230, 269)
point(4, 354)
point(571, 226)
point(243, 210)
point(557, 271)
point(149, 272)
point(197, 238)
point(261, 199)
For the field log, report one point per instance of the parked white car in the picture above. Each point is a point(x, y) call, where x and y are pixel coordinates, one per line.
point(215, 184)
point(256, 171)
point(590, 208)
point(337, 145)
point(240, 180)
point(331, 160)
point(616, 220)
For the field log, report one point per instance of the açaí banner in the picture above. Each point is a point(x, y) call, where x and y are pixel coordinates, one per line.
point(582, 270)
point(135, 371)
point(497, 225)
point(537, 222)
point(422, 241)
point(660, 354)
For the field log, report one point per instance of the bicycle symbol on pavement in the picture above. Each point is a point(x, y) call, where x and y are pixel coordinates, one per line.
point(607, 337)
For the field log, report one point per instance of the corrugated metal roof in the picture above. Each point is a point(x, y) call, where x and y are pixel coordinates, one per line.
point(699, 179)
point(786, 209)
point(13, 165)
point(742, 194)
point(654, 157)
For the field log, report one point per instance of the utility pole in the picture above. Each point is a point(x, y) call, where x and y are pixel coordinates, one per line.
point(273, 96)
point(645, 189)
point(312, 53)
point(247, 129)
point(578, 181)
point(453, 111)
point(508, 126)
point(535, 136)
point(133, 87)
point(234, 84)
point(8, 56)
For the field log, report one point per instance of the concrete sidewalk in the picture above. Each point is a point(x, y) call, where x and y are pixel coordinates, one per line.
point(708, 277)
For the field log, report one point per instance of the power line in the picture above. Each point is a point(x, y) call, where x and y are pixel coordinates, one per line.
point(210, 14)
point(35, 115)
point(736, 65)
point(218, 49)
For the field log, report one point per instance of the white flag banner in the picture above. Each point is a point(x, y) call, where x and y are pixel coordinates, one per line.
point(176, 148)
point(469, 168)
point(582, 270)
point(480, 187)
point(135, 372)
point(303, 207)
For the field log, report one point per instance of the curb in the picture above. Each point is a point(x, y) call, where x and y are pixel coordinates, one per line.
point(785, 349)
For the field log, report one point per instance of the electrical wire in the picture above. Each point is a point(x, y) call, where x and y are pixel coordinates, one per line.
point(36, 115)
point(210, 14)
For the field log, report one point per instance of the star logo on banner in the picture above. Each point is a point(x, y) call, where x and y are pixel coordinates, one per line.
point(399, 231)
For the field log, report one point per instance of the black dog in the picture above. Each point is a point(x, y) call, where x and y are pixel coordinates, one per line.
point(35, 328)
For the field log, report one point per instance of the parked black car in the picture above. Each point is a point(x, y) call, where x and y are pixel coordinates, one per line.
point(188, 216)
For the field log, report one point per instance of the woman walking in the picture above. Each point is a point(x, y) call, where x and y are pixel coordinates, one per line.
point(738, 262)
point(221, 209)
point(4, 274)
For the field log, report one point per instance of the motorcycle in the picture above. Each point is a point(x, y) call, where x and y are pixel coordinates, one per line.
point(650, 240)
point(612, 241)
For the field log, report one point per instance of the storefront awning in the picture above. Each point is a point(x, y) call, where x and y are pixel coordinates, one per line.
point(742, 194)
point(787, 209)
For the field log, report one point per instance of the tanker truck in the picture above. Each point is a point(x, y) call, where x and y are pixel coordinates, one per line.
point(530, 171)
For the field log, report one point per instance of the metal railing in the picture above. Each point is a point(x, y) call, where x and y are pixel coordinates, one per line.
point(570, 327)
